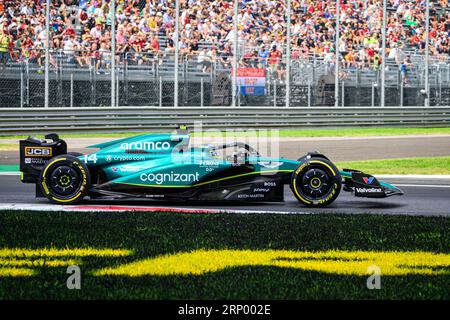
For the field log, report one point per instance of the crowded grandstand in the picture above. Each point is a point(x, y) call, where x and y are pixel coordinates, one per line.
point(80, 32)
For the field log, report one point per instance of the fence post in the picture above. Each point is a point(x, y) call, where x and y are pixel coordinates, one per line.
point(239, 94)
point(177, 48)
point(235, 53)
point(117, 90)
point(336, 67)
point(448, 76)
point(160, 91)
point(125, 78)
point(28, 84)
point(383, 56)
point(440, 86)
point(201, 92)
point(59, 86)
point(373, 94)
point(185, 82)
point(314, 69)
point(401, 93)
point(93, 81)
point(309, 93)
point(427, 67)
point(274, 93)
point(21, 86)
point(47, 53)
point(113, 52)
point(71, 90)
point(288, 55)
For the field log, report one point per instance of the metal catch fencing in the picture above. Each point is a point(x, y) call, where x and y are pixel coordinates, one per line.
point(148, 80)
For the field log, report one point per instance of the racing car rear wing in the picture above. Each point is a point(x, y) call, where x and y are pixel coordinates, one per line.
point(35, 153)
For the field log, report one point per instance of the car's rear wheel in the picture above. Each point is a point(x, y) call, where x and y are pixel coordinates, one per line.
point(316, 182)
point(65, 180)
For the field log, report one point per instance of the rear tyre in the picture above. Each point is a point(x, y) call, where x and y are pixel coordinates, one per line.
point(316, 182)
point(65, 180)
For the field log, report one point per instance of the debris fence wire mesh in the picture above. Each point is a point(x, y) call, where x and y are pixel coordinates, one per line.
point(151, 82)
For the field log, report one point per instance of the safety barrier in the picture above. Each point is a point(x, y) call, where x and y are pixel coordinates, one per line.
point(107, 119)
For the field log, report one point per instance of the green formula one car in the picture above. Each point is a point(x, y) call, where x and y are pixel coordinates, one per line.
point(163, 166)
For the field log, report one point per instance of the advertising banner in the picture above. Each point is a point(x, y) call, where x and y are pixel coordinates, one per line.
point(251, 81)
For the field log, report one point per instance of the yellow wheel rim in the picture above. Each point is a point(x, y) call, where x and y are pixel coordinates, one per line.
point(315, 182)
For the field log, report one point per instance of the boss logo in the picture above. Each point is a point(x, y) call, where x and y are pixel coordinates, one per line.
point(38, 152)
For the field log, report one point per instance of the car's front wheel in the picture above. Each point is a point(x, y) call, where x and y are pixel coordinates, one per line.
point(65, 180)
point(316, 182)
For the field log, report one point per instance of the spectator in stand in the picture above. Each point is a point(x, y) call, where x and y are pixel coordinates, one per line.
point(4, 48)
point(261, 23)
point(274, 61)
point(406, 63)
point(104, 58)
point(263, 54)
point(204, 60)
point(246, 61)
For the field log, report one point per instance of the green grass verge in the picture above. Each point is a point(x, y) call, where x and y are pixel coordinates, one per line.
point(151, 235)
point(362, 132)
point(333, 132)
point(438, 165)
point(9, 168)
point(9, 147)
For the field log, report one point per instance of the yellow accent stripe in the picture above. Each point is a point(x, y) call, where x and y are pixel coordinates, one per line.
point(152, 185)
point(298, 194)
point(202, 183)
point(334, 173)
point(43, 183)
point(48, 165)
point(315, 179)
point(242, 175)
point(68, 200)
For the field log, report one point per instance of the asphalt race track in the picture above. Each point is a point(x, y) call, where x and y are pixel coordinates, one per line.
point(423, 196)
point(428, 197)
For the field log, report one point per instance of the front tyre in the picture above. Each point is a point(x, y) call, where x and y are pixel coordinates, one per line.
point(65, 180)
point(316, 182)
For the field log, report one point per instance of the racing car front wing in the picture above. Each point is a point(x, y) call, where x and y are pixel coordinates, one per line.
point(365, 185)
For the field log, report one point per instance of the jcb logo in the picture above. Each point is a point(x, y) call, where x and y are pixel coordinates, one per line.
point(38, 152)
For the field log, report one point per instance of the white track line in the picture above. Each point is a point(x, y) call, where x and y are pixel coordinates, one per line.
point(123, 208)
point(413, 176)
point(422, 185)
